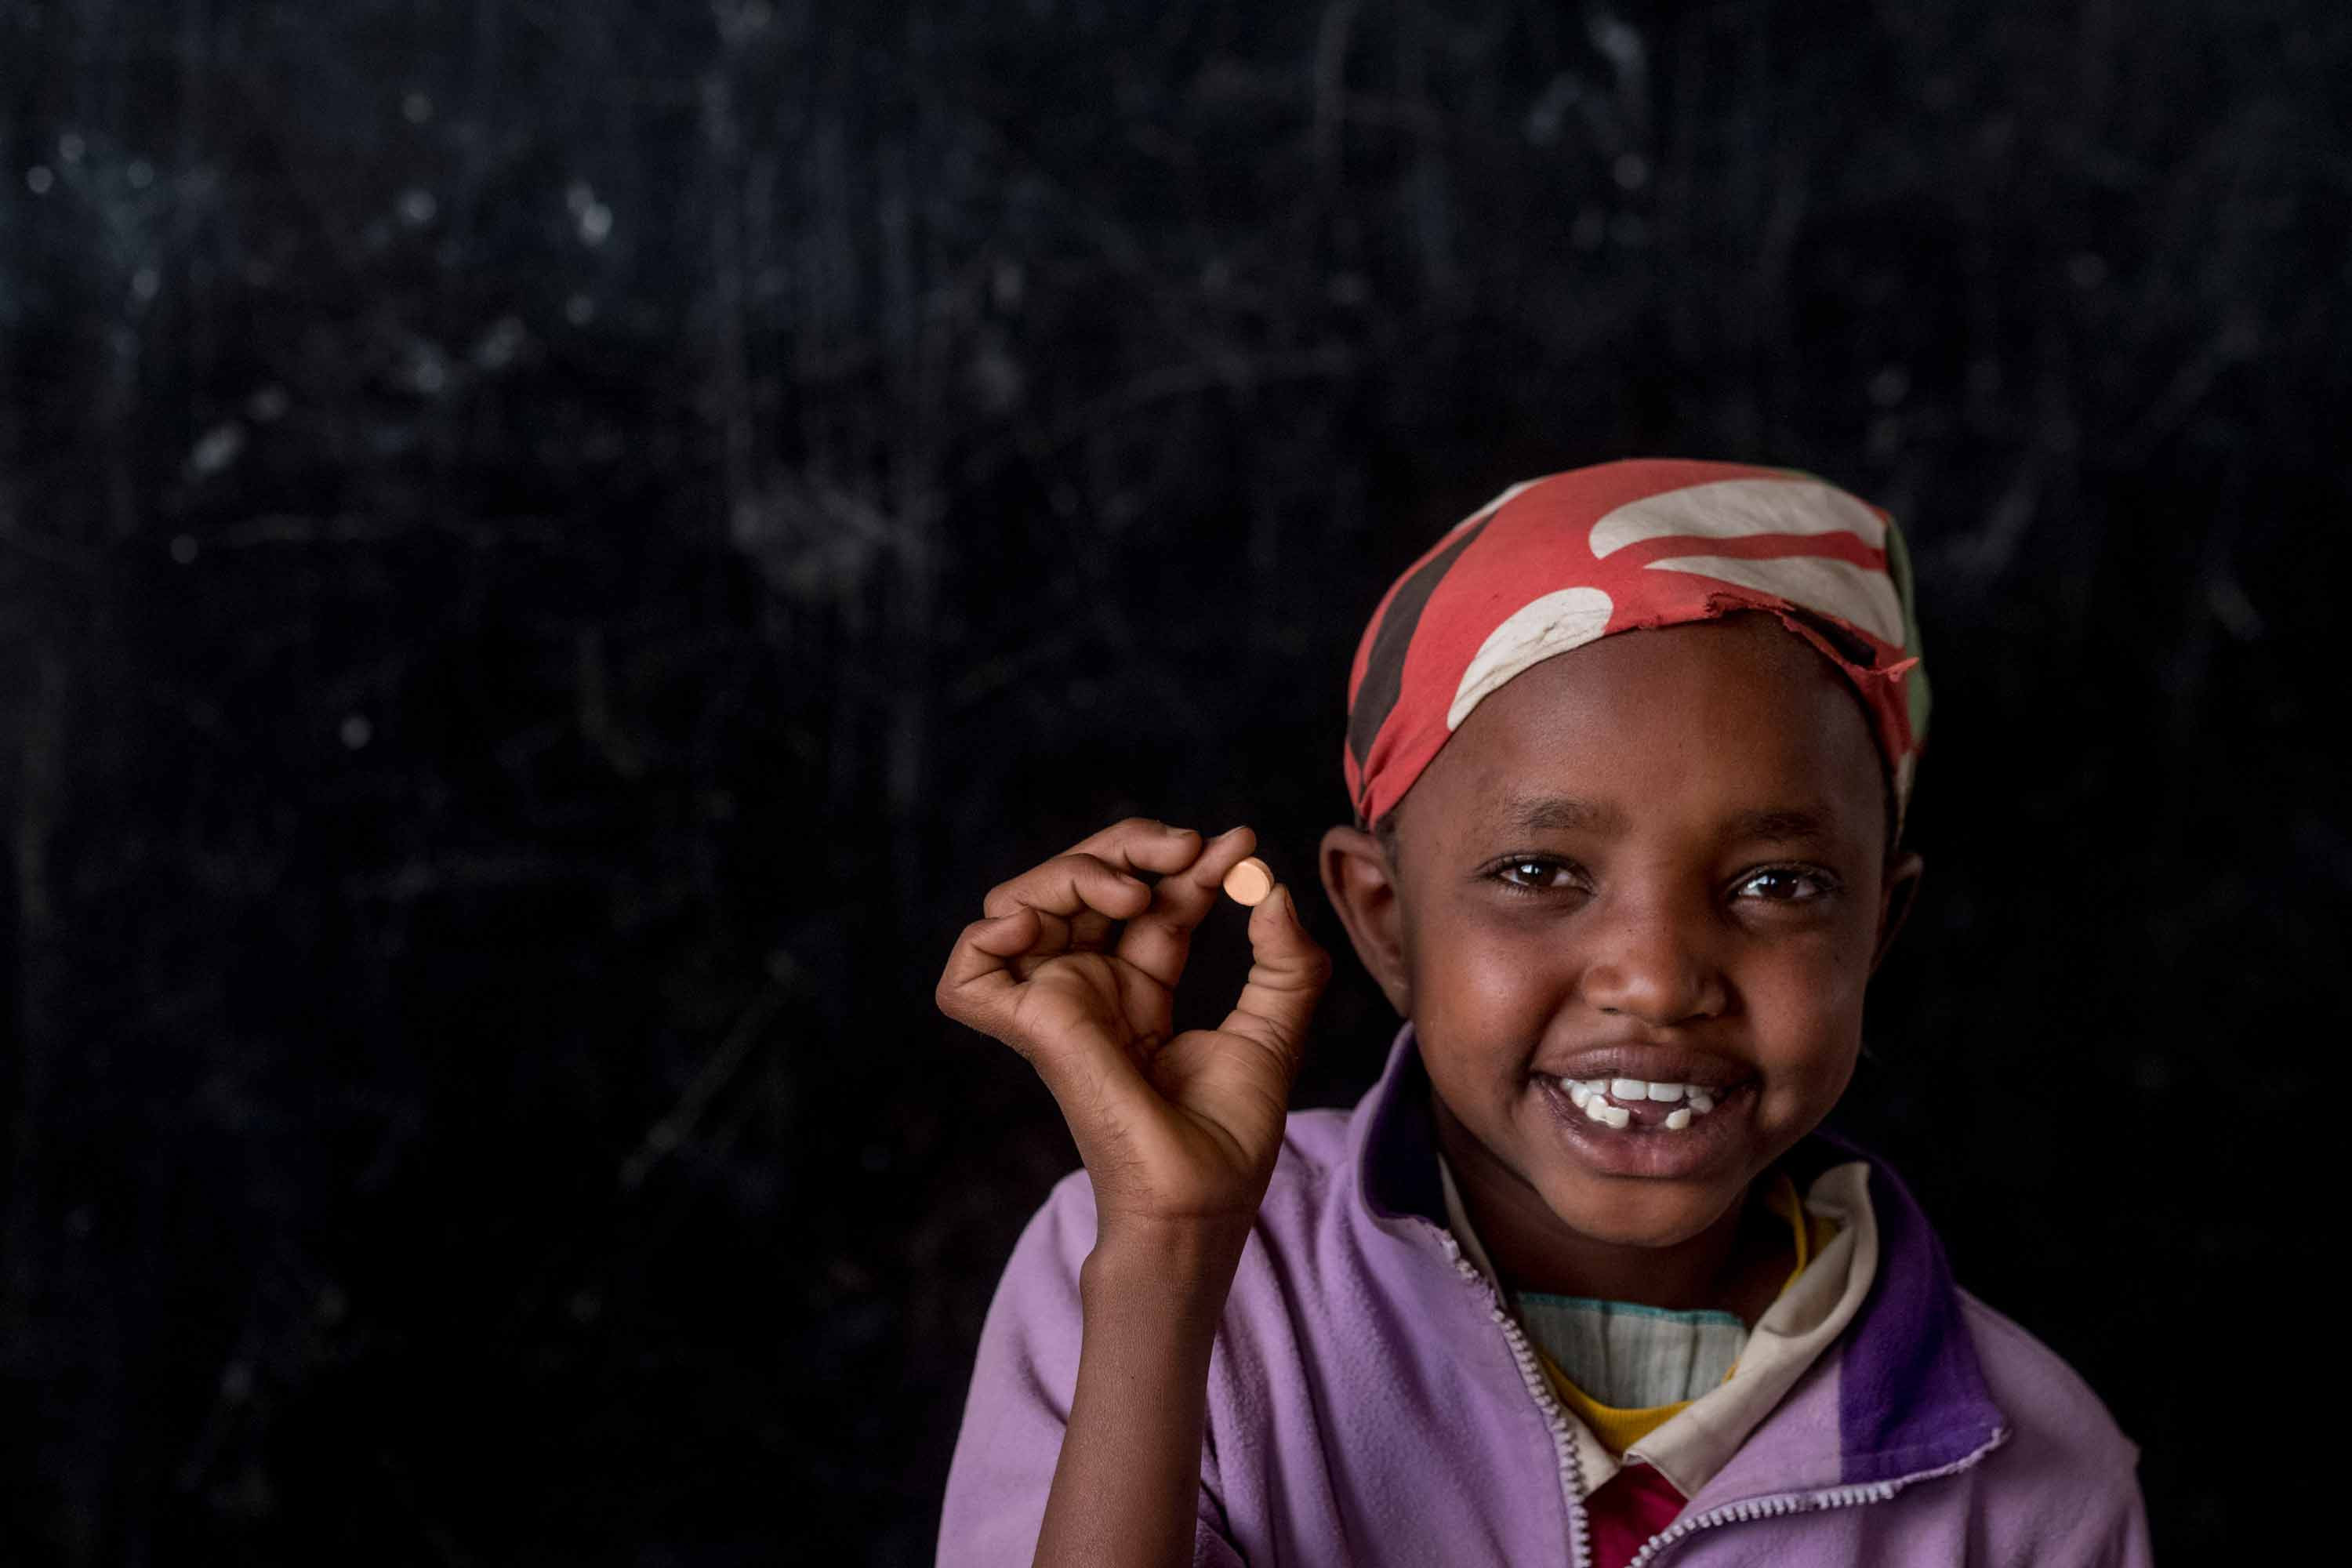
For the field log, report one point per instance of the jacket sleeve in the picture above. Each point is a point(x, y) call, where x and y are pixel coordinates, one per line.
point(1022, 1380)
point(2117, 1537)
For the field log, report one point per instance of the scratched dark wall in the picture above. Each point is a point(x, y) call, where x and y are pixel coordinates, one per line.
point(549, 553)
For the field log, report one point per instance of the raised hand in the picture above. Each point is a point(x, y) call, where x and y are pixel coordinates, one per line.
point(1076, 966)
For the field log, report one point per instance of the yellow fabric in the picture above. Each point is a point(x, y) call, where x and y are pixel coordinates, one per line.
point(1620, 1429)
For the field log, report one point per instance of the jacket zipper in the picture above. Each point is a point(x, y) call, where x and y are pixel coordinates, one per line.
point(1801, 1502)
point(1563, 1443)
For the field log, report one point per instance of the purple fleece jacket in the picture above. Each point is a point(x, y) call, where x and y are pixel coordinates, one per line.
point(1370, 1401)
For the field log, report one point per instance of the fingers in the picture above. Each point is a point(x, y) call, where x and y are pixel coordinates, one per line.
point(1157, 941)
point(1070, 900)
point(1285, 980)
point(1070, 886)
point(1093, 885)
point(976, 988)
point(1143, 843)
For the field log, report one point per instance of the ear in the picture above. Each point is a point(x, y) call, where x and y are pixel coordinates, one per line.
point(1362, 887)
point(1895, 898)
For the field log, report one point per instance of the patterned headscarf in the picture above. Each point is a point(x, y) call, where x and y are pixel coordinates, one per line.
point(1556, 562)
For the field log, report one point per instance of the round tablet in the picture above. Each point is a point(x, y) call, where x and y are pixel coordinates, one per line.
point(1251, 881)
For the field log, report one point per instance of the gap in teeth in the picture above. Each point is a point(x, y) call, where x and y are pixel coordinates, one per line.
point(1606, 1101)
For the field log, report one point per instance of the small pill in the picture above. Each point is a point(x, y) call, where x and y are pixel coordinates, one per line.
point(1250, 882)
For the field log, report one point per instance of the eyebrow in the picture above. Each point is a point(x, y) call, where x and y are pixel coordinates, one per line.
point(1568, 814)
point(1559, 814)
point(1787, 826)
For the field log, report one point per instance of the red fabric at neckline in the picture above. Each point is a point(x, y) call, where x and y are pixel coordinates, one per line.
point(1624, 1511)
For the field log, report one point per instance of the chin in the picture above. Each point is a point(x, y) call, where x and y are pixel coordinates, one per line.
point(1652, 1214)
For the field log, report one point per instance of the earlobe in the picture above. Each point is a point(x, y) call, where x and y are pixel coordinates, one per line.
point(1901, 892)
point(1362, 887)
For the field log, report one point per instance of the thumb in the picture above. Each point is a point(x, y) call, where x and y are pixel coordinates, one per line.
point(1285, 980)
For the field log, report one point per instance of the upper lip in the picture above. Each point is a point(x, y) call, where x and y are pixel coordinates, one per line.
point(1653, 1064)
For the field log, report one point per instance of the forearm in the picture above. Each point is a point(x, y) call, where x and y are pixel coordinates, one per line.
point(1130, 1472)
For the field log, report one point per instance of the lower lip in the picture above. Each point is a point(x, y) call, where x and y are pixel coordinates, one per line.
point(1654, 1152)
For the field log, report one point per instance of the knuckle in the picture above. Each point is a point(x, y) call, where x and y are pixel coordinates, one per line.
point(944, 996)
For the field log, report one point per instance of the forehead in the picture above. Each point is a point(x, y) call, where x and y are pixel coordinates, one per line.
point(1713, 723)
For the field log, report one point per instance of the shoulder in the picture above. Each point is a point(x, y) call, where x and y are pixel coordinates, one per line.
point(2039, 1390)
point(2065, 1487)
point(2045, 1400)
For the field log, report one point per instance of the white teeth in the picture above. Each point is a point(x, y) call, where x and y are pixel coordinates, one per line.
point(1575, 1091)
point(1701, 1102)
point(1666, 1092)
point(1608, 1115)
point(1596, 1086)
point(1678, 1120)
point(1628, 1089)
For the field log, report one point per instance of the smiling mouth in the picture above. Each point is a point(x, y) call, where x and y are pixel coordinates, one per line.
point(1631, 1104)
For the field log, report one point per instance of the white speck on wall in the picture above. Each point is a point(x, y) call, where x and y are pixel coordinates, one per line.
point(70, 147)
point(357, 732)
point(145, 283)
point(428, 368)
point(417, 109)
point(417, 208)
point(579, 309)
point(183, 548)
point(594, 217)
point(141, 174)
point(500, 346)
point(217, 449)
point(37, 179)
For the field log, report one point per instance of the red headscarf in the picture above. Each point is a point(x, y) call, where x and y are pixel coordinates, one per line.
point(1556, 562)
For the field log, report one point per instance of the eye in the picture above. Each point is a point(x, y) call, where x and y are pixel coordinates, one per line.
point(1535, 874)
point(1789, 884)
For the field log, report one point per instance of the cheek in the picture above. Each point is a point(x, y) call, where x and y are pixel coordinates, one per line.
point(1495, 981)
point(1804, 1005)
point(1481, 1003)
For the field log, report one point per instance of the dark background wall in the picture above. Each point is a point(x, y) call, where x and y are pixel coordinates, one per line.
point(551, 552)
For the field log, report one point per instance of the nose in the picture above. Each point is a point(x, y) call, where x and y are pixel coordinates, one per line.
point(1653, 960)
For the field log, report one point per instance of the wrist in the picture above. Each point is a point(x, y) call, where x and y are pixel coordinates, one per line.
point(1180, 1271)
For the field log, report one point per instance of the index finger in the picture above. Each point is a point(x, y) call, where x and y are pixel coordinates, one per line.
point(1157, 941)
point(1142, 844)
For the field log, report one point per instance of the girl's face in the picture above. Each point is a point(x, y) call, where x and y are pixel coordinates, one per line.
point(1657, 859)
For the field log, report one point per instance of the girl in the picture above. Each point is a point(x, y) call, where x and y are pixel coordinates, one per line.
point(1580, 1279)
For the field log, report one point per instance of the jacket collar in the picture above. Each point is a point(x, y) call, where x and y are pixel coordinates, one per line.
point(1909, 1392)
